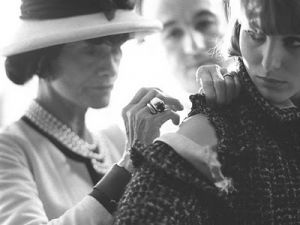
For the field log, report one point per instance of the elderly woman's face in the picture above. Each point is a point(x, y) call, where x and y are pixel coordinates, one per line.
point(87, 72)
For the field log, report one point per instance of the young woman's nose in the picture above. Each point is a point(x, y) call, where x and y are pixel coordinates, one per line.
point(193, 42)
point(272, 55)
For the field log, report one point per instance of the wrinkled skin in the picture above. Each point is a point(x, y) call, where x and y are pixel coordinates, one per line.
point(140, 124)
point(139, 120)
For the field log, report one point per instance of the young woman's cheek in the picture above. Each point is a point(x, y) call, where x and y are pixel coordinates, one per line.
point(251, 51)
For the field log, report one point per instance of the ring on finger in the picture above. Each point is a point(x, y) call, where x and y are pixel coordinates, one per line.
point(231, 75)
point(157, 105)
point(151, 109)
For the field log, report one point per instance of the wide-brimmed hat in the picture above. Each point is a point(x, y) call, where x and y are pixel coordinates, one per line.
point(45, 23)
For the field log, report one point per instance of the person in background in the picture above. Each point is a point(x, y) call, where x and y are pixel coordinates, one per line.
point(237, 163)
point(49, 161)
point(191, 30)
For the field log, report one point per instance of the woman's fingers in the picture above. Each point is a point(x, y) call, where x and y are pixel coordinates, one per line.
point(141, 98)
point(204, 76)
point(145, 95)
point(162, 117)
point(140, 123)
point(223, 71)
point(152, 123)
point(129, 129)
point(213, 84)
point(230, 88)
point(218, 86)
point(145, 130)
point(141, 94)
point(237, 86)
point(173, 103)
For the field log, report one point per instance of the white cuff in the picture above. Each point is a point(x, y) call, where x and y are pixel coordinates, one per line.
point(203, 158)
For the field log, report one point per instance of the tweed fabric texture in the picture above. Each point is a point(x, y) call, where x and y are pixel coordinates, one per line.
point(258, 147)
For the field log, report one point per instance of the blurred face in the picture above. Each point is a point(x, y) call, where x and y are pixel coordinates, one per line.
point(87, 71)
point(191, 29)
point(272, 61)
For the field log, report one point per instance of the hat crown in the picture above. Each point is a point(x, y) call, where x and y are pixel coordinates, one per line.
point(51, 9)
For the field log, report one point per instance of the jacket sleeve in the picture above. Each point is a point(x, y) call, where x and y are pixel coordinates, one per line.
point(153, 196)
point(166, 189)
point(146, 200)
point(19, 199)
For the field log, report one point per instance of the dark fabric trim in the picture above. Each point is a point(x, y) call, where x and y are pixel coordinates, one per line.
point(53, 9)
point(95, 176)
point(109, 190)
point(104, 200)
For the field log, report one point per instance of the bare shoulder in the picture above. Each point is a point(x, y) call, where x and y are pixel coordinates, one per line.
point(198, 129)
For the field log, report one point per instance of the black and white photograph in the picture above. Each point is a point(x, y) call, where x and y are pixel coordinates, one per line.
point(150, 112)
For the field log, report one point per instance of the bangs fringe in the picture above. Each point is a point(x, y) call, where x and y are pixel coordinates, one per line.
point(274, 16)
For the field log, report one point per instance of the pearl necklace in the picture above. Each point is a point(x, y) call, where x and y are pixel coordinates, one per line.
point(64, 135)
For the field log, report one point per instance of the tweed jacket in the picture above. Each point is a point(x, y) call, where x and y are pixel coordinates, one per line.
point(259, 149)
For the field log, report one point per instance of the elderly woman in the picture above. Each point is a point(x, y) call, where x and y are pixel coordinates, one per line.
point(49, 161)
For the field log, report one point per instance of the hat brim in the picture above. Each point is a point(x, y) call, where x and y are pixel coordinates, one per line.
point(29, 35)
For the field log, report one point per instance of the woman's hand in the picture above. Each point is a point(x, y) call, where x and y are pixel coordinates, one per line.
point(140, 123)
point(219, 86)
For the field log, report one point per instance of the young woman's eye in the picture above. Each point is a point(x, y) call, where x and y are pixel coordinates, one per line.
point(256, 36)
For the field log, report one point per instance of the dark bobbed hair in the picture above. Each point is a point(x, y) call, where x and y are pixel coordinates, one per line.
point(22, 67)
point(274, 16)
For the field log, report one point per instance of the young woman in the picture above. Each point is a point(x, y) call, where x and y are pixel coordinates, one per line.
point(49, 161)
point(236, 164)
